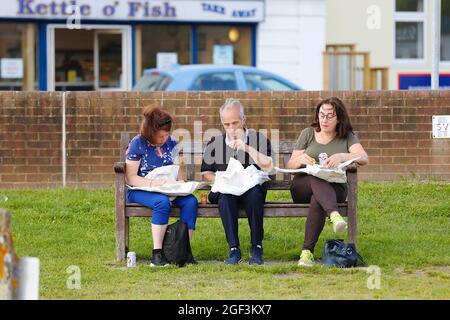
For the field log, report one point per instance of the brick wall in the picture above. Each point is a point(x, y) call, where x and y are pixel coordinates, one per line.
point(30, 139)
point(393, 126)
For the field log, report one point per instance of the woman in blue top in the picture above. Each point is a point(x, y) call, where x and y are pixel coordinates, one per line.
point(152, 148)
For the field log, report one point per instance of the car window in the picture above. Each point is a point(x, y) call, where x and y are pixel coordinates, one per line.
point(260, 82)
point(153, 82)
point(215, 81)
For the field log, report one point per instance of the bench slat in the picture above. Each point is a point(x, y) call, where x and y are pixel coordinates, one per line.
point(270, 204)
point(277, 209)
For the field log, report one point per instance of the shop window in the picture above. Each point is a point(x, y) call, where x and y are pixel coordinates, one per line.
point(74, 59)
point(17, 56)
point(110, 61)
point(90, 59)
point(214, 42)
point(409, 29)
point(171, 41)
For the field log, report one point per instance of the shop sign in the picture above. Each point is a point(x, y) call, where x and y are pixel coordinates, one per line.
point(441, 127)
point(223, 54)
point(421, 81)
point(165, 60)
point(11, 68)
point(135, 10)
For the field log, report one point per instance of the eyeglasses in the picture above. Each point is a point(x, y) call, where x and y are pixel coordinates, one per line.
point(329, 116)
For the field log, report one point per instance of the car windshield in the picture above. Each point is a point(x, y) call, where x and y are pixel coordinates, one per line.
point(263, 82)
point(153, 82)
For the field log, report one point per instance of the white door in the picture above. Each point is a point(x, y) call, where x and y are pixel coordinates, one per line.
point(111, 57)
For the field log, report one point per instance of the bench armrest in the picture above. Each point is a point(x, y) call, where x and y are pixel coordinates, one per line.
point(119, 167)
point(353, 167)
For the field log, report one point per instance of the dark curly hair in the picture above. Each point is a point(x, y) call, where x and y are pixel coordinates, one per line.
point(344, 125)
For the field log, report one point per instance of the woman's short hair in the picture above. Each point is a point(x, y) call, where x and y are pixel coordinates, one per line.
point(344, 125)
point(155, 120)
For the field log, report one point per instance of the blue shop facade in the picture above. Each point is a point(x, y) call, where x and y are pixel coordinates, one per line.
point(81, 45)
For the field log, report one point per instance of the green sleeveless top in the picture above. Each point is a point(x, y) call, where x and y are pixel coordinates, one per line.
point(306, 141)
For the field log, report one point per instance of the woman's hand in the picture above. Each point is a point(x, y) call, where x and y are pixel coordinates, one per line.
point(157, 182)
point(333, 161)
point(306, 160)
point(299, 158)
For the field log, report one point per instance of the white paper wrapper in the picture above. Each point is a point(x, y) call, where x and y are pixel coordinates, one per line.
point(336, 175)
point(236, 180)
point(172, 188)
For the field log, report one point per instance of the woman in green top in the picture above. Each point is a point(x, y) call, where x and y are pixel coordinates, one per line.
point(329, 141)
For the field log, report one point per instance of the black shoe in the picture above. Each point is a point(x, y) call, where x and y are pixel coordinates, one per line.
point(158, 260)
point(190, 259)
point(234, 256)
point(256, 255)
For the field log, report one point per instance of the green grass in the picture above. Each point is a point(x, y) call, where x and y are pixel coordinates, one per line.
point(404, 228)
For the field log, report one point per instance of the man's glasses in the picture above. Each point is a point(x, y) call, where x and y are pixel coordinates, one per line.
point(329, 116)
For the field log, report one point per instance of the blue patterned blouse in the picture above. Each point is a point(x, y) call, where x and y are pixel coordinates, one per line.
point(149, 155)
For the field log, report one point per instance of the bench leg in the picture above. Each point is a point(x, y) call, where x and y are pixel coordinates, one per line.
point(120, 239)
point(352, 227)
point(352, 206)
point(127, 234)
point(121, 221)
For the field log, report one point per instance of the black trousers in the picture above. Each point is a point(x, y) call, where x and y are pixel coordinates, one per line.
point(253, 203)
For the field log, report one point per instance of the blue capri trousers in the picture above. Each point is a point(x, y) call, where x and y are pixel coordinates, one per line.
point(161, 205)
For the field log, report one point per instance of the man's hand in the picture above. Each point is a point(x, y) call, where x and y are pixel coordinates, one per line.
point(209, 176)
point(238, 144)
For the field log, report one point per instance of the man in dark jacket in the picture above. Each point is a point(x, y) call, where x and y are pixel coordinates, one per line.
point(249, 148)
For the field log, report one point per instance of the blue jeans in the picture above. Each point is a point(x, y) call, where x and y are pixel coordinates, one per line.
point(161, 206)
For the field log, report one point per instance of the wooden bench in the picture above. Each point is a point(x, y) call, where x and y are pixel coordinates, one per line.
point(124, 210)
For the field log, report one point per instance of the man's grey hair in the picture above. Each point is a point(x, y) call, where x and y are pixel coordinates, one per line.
point(232, 103)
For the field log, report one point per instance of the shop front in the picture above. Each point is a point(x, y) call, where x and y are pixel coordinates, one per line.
point(105, 45)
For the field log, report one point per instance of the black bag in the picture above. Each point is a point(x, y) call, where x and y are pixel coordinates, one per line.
point(176, 246)
point(339, 254)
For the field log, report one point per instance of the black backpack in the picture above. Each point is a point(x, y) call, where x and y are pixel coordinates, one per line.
point(339, 254)
point(176, 246)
